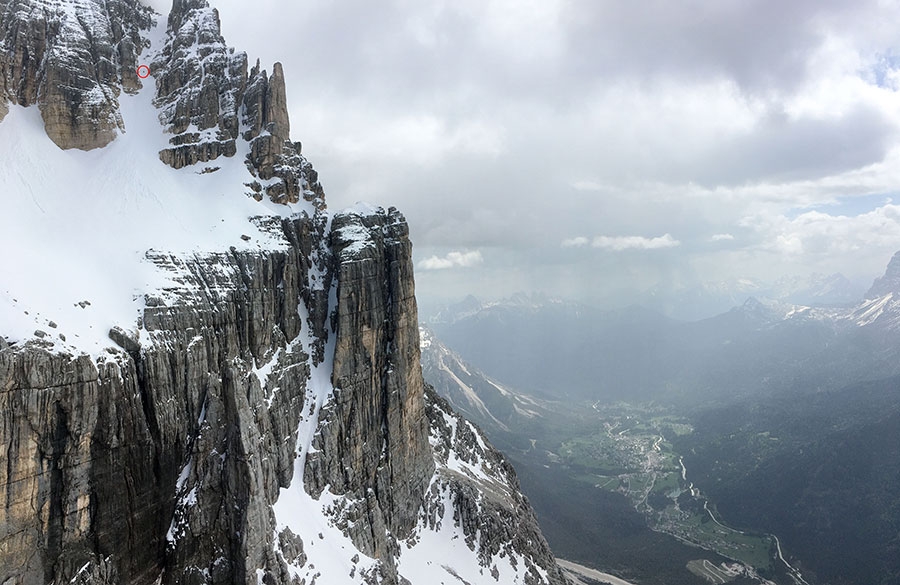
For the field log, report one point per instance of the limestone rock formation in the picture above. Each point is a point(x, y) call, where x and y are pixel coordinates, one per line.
point(262, 419)
point(378, 385)
point(202, 89)
point(167, 459)
point(110, 454)
point(72, 64)
point(200, 83)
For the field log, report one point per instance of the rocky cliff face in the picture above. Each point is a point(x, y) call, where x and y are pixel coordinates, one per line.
point(160, 459)
point(378, 385)
point(213, 107)
point(72, 60)
point(168, 457)
point(264, 420)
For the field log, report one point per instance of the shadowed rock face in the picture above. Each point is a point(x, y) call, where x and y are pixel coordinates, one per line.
point(165, 460)
point(378, 385)
point(162, 461)
point(72, 64)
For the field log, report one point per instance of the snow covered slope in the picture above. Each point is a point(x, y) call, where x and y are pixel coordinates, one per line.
point(472, 393)
point(80, 223)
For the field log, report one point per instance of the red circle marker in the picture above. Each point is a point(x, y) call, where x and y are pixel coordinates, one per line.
point(143, 72)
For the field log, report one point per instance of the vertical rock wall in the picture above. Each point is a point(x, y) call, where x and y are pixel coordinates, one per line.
point(162, 459)
point(373, 443)
point(208, 102)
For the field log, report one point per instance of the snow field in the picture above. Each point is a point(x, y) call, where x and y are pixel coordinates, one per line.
point(75, 225)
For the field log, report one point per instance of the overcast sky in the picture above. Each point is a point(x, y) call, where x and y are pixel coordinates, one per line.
point(590, 148)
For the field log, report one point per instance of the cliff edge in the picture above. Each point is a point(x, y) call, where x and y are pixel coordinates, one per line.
point(205, 376)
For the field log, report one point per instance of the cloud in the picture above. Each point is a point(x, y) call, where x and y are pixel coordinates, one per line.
point(820, 234)
point(721, 237)
point(619, 243)
point(577, 242)
point(452, 260)
point(587, 186)
point(529, 127)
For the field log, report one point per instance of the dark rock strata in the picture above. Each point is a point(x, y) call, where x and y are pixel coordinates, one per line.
point(161, 461)
point(373, 443)
point(102, 458)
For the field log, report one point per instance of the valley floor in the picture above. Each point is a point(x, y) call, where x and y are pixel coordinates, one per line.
point(628, 451)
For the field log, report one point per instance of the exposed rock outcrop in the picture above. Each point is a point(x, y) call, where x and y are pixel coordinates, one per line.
point(72, 64)
point(378, 386)
point(199, 86)
point(209, 104)
point(162, 461)
point(889, 282)
point(266, 396)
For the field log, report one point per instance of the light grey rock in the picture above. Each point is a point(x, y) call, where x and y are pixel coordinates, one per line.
point(178, 438)
point(125, 340)
point(208, 102)
point(73, 65)
point(199, 84)
point(162, 463)
point(373, 445)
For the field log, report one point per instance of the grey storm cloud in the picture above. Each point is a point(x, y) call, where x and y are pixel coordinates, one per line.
point(761, 44)
point(505, 127)
point(784, 149)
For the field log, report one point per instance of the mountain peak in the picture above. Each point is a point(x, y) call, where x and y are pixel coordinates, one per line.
point(211, 106)
point(889, 283)
point(72, 59)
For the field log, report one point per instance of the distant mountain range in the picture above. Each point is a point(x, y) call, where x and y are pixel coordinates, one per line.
point(762, 344)
point(793, 414)
point(707, 299)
